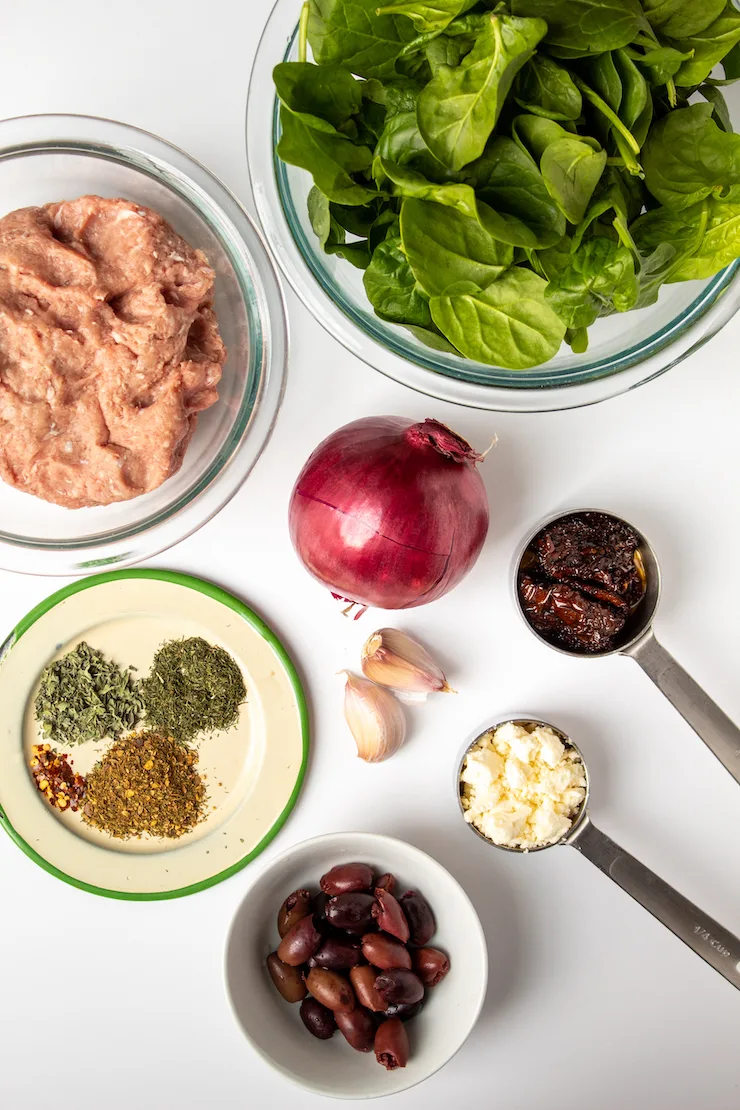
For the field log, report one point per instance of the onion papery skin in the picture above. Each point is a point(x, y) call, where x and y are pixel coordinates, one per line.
point(389, 512)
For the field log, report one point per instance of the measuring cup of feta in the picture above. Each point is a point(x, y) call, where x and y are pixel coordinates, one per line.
point(523, 785)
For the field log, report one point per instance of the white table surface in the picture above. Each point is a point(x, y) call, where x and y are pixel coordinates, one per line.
point(591, 1002)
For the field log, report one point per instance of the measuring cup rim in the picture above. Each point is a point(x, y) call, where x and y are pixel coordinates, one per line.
point(522, 718)
point(644, 628)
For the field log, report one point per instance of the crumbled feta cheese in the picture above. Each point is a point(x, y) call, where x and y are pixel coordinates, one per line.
point(522, 787)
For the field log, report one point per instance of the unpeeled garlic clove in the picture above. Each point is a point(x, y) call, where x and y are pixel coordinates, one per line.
point(395, 659)
point(375, 718)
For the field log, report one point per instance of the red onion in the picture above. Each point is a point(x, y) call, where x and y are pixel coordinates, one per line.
point(390, 513)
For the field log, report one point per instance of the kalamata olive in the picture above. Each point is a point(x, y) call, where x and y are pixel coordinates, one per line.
point(358, 1028)
point(331, 989)
point(430, 965)
point(404, 1011)
point(398, 985)
point(318, 1019)
point(389, 915)
point(339, 954)
point(363, 981)
point(385, 882)
point(419, 916)
point(392, 1044)
point(353, 912)
point(287, 979)
point(295, 907)
point(301, 942)
point(346, 877)
point(320, 903)
point(384, 952)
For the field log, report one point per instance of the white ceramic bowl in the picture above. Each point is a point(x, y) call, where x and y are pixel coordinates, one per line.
point(274, 1027)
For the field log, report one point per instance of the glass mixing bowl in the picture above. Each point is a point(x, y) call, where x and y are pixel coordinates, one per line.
point(47, 158)
point(624, 351)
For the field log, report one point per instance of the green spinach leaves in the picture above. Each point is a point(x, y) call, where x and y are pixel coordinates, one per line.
point(507, 172)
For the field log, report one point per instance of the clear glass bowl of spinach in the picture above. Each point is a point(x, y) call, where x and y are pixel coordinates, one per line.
point(525, 206)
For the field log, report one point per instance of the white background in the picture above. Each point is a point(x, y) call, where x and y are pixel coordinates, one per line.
point(110, 1005)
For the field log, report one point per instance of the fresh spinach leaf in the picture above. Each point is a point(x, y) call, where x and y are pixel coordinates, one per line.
point(604, 77)
point(614, 200)
point(587, 26)
point(331, 159)
point(627, 145)
point(516, 192)
point(445, 247)
point(509, 323)
point(571, 171)
point(598, 279)
point(577, 340)
point(668, 241)
point(683, 229)
point(325, 227)
point(731, 64)
point(710, 46)
point(660, 64)
point(326, 91)
point(458, 109)
point(534, 134)
point(357, 254)
point(635, 93)
point(408, 183)
point(386, 226)
point(719, 246)
point(357, 220)
point(679, 19)
point(432, 337)
point(351, 34)
point(428, 15)
point(392, 289)
point(687, 157)
point(721, 112)
point(545, 88)
point(401, 140)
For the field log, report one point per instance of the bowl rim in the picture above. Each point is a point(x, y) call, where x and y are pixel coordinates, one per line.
point(713, 308)
point(261, 293)
point(340, 839)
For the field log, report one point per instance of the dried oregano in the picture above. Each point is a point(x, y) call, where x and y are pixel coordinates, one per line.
point(84, 696)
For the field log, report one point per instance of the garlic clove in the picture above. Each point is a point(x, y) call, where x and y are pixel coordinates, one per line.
point(375, 718)
point(392, 658)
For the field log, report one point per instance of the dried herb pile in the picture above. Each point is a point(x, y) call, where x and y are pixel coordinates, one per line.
point(145, 783)
point(84, 696)
point(193, 687)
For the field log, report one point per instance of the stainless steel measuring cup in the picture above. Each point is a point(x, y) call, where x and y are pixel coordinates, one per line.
point(715, 728)
point(704, 935)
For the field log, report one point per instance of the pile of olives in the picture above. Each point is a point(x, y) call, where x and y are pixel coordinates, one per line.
point(357, 959)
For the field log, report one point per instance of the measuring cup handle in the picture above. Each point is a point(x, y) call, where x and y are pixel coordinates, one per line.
point(715, 728)
point(690, 924)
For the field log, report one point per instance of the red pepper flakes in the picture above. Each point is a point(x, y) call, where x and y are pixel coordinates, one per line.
point(62, 787)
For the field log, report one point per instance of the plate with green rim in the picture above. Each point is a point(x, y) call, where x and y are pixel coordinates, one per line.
point(253, 771)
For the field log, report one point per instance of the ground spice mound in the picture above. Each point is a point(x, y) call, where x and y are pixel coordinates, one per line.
point(145, 783)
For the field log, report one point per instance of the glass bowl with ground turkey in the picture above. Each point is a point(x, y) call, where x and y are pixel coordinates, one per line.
point(140, 291)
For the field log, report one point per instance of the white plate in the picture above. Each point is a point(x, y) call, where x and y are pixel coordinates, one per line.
point(253, 771)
